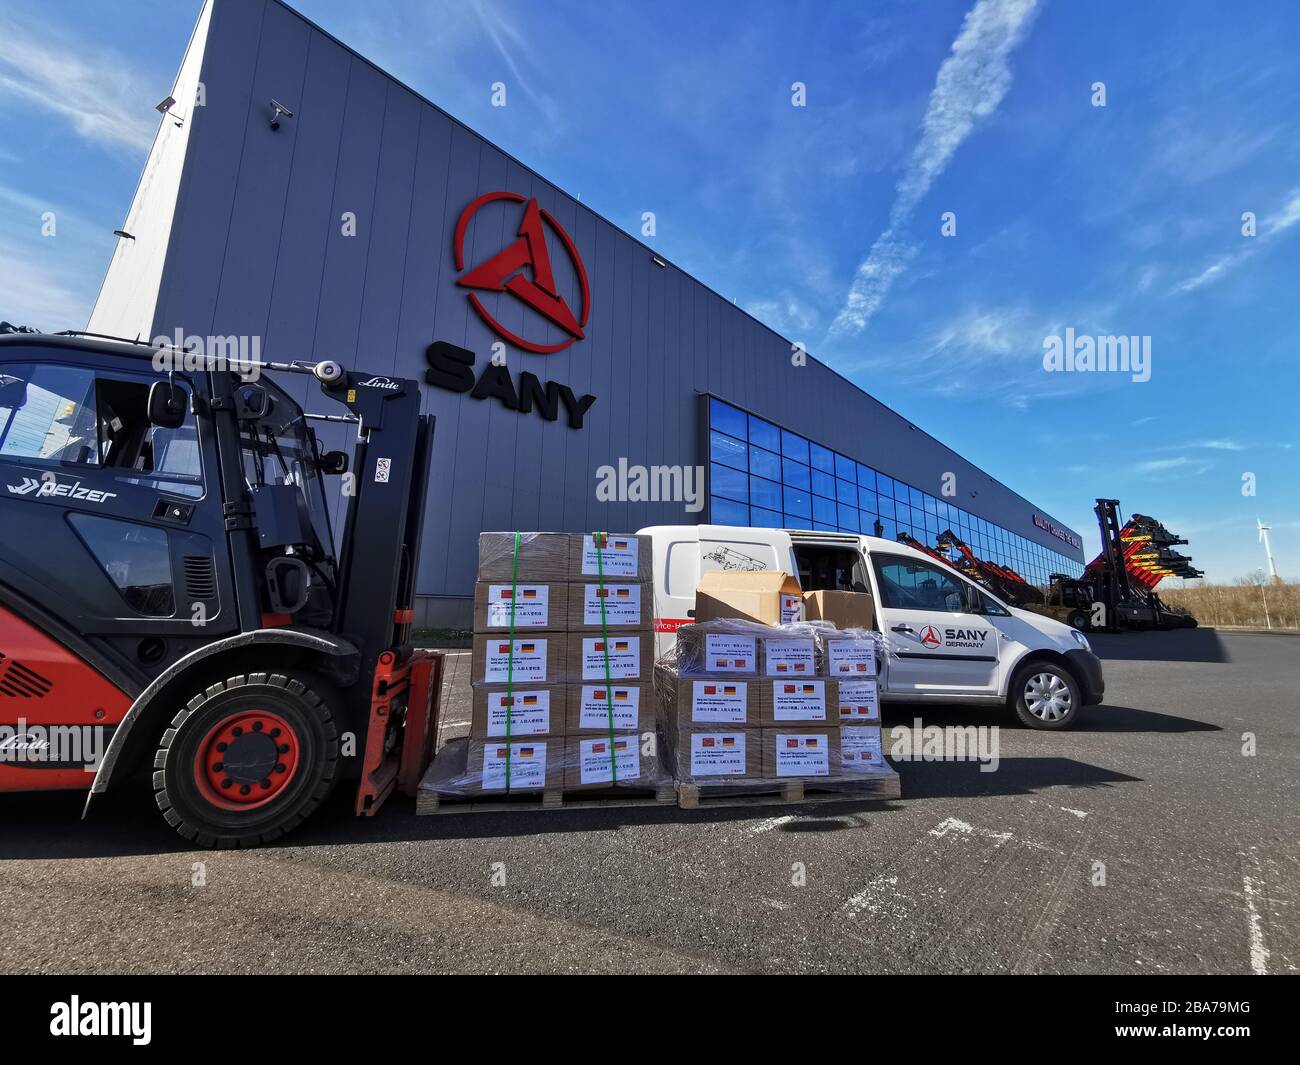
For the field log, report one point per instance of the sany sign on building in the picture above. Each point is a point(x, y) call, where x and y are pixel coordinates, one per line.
point(523, 271)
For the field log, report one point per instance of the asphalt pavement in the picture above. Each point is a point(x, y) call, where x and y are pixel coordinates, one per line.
point(1161, 835)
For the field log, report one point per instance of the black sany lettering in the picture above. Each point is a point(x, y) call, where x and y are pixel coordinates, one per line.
point(450, 368)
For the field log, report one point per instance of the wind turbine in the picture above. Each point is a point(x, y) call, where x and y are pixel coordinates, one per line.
point(1268, 548)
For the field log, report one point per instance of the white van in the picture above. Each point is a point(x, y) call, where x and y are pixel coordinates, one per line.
point(946, 638)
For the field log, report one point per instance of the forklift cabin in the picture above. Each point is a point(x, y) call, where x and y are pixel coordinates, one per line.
point(170, 592)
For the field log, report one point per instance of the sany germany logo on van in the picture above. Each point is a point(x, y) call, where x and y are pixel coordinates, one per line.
point(930, 637)
point(52, 486)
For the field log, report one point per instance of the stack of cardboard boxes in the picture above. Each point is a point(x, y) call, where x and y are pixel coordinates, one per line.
point(568, 699)
point(760, 703)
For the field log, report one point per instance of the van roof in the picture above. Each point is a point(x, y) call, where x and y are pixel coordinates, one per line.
point(871, 543)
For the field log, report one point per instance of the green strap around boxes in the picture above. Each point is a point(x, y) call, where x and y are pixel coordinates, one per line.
point(598, 538)
point(510, 657)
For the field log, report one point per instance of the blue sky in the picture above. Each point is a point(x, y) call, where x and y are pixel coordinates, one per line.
point(824, 220)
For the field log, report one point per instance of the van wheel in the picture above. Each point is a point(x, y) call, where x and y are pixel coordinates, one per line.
point(1045, 696)
point(247, 760)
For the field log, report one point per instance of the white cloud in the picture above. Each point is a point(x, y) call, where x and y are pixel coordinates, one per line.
point(787, 314)
point(1284, 219)
point(1182, 464)
point(94, 90)
point(968, 88)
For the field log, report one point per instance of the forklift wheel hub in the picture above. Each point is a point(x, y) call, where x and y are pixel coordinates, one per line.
point(246, 760)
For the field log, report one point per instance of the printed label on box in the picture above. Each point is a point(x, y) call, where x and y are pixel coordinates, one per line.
point(717, 754)
point(719, 701)
point(529, 665)
point(859, 702)
point(802, 754)
point(594, 759)
point(799, 700)
point(529, 713)
point(729, 654)
point(622, 604)
point(527, 765)
point(860, 748)
point(531, 603)
point(594, 710)
point(624, 658)
point(851, 658)
point(791, 609)
point(618, 557)
point(789, 658)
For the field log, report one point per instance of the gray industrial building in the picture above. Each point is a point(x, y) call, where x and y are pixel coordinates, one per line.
point(366, 225)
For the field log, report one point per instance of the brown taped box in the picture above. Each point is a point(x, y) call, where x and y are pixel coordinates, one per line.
point(704, 650)
point(802, 754)
point(587, 761)
point(629, 605)
point(700, 751)
point(718, 702)
point(535, 765)
point(587, 712)
point(538, 659)
point(543, 557)
point(631, 656)
point(845, 610)
point(538, 607)
point(622, 557)
point(538, 710)
point(804, 702)
point(766, 596)
point(850, 656)
point(792, 656)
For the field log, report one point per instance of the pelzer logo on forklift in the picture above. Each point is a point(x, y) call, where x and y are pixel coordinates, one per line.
point(53, 487)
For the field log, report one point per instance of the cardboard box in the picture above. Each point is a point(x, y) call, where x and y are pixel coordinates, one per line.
point(769, 597)
point(719, 702)
point(848, 656)
point(861, 749)
point(535, 765)
point(628, 605)
point(791, 656)
point(538, 659)
point(801, 753)
point(704, 756)
point(622, 557)
point(537, 710)
point(702, 650)
point(631, 656)
point(799, 702)
point(859, 702)
point(845, 610)
point(635, 762)
point(538, 607)
point(543, 557)
point(587, 707)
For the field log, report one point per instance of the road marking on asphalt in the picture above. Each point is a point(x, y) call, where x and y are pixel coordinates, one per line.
point(1254, 887)
point(961, 828)
point(771, 823)
point(1080, 814)
point(871, 899)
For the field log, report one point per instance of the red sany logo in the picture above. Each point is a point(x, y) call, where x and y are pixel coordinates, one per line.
point(504, 272)
point(930, 637)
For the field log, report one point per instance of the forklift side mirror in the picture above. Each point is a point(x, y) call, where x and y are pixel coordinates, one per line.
point(333, 462)
point(166, 405)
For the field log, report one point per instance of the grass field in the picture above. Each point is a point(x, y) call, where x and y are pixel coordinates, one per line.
point(1251, 604)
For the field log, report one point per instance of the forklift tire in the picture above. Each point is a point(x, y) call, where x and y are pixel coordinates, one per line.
point(1078, 619)
point(1045, 696)
point(247, 760)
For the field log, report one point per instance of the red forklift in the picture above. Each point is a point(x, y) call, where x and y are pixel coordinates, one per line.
point(172, 605)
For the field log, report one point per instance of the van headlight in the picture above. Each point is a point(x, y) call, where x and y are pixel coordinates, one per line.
point(1081, 640)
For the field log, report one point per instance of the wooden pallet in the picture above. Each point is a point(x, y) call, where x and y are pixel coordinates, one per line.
point(430, 802)
point(886, 786)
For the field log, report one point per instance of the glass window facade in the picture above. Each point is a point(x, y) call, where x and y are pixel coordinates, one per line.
point(761, 474)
